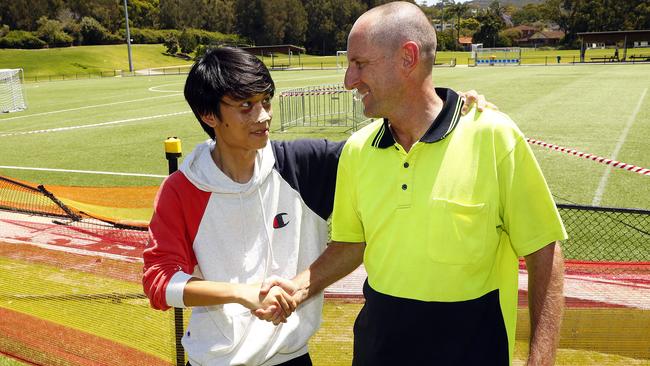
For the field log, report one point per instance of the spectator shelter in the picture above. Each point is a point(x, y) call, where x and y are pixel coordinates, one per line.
point(626, 38)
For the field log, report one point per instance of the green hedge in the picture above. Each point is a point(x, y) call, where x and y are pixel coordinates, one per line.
point(21, 39)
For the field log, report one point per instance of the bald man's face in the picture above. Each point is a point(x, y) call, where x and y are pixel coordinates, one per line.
point(371, 70)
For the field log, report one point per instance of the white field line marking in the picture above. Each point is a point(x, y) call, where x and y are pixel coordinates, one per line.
point(155, 89)
point(621, 140)
point(59, 129)
point(85, 107)
point(83, 171)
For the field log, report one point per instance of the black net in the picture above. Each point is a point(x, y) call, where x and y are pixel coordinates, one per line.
point(70, 291)
point(606, 234)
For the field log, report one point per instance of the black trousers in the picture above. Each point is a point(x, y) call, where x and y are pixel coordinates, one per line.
point(303, 360)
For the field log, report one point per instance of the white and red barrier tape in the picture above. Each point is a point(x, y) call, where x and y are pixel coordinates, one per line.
point(599, 159)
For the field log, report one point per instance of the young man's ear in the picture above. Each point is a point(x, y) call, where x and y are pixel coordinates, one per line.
point(210, 120)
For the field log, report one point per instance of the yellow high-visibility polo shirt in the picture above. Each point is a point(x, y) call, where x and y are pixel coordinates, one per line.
point(448, 220)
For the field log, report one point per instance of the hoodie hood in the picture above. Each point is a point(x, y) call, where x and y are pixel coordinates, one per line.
point(200, 169)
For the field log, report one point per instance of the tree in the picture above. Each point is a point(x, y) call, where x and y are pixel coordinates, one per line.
point(169, 11)
point(491, 24)
point(144, 13)
point(24, 14)
point(92, 31)
point(219, 15)
point(109, 13)
point(458, 10)
point(296, 27)
point(528, 14)
point(51, 31)
point(330, 22)
point(469, 24)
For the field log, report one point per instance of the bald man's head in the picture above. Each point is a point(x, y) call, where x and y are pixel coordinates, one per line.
point(390, 25)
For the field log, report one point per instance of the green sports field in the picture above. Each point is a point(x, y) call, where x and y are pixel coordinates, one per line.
point(119, 124)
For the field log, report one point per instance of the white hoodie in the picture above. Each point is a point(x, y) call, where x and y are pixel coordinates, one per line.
point(205, 225)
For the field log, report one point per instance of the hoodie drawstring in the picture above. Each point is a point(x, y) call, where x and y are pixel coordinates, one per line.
point(269, 248)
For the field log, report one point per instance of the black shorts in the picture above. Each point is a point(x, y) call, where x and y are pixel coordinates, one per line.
point(303, 360)
point(393, 331)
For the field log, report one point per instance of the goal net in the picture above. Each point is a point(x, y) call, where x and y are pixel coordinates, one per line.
point(497, 56)
point(11, 90)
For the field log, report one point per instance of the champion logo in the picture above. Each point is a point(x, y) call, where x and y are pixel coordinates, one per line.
point(278, 220)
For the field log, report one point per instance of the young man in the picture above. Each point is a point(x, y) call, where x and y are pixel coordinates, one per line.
point(439, 207)
point(240, 211)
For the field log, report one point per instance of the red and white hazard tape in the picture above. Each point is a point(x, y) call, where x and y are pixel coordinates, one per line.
point(599, 159)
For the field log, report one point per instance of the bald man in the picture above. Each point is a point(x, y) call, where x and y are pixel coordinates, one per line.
point(439, 207)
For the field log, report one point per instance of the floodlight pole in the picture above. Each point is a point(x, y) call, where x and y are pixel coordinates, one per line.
point(128, 35)
point(172, 153)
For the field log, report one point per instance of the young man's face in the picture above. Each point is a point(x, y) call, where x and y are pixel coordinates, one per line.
point(244, 124)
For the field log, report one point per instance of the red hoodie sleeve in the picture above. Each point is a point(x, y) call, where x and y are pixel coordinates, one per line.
point(178, 209)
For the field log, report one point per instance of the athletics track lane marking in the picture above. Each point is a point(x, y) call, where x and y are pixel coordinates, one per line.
point(621, 140)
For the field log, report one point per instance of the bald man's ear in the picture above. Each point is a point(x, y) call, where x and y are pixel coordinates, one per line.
point(410, 56)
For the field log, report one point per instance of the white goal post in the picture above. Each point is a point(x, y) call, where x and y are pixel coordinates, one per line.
point(341, 60)
point(497, 56)
point(12, 98)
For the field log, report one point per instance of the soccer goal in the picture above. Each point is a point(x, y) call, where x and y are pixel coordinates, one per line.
point(497, 56)
point(341, 60)
point(11, 90)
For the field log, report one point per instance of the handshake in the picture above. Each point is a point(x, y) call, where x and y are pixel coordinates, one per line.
point(275, 300)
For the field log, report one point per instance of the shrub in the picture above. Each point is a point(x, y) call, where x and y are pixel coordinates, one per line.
point(51, 31)
point(202, 49)
point(93, 33)
point(171, 44)
point(146, 35)
point(187, 41)
point(21, 39)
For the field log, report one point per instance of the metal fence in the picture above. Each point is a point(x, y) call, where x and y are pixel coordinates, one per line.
point(328, 105)
point(606, 234)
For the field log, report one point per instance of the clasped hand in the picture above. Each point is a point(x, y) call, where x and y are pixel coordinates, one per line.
point(275, 300)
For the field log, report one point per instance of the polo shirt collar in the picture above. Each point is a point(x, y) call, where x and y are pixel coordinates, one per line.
point(441, 127)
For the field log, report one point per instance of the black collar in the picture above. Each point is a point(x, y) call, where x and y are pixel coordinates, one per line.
point(439, 129)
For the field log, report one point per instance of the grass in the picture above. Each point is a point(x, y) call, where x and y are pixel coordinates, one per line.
point(6, 361)
point(581, 107)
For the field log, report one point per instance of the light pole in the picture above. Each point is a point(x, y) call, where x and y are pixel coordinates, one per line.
point(128, 35)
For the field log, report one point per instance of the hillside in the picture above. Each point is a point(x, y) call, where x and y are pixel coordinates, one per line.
point(86, 59)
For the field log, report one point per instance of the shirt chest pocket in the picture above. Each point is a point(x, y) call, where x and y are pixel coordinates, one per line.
point(457, 232)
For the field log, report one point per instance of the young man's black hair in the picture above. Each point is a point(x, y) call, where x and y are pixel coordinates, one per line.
point(225, 71)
